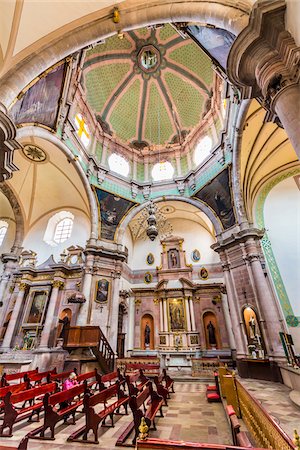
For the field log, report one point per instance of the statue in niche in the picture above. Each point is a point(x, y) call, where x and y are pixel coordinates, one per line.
point(211, 334)
point(173, 259)
point(147, 335)
point(252, 327)
point(65, 326)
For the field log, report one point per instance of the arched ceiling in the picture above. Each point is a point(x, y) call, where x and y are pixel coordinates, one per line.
point(266, 151)
point(152, 87)
point(45, 181)
point(173, 210)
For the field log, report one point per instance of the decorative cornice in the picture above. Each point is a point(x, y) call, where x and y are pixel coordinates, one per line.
point(23, 286)
point(237, 238)
point(7, 145)
point(58, 284)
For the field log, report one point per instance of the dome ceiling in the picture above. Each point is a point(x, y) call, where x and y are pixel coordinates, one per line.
point(150, 88)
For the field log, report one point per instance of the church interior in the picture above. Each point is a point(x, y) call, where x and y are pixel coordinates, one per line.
point(149, 224)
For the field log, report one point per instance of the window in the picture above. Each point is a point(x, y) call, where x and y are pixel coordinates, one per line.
point(63, 230)
point(59, 228)
point(202, 150)
point(82, 130)
point(118, 164)
point(162, 171)
point(3, 230)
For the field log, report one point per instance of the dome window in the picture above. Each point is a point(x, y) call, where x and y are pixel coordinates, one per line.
point(118, 164)
point(3, 230)
point(59, 228)
point(202, 150)
point(82, 130)
point(162, 171)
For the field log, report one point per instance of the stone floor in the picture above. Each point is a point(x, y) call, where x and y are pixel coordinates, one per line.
point(188, 417)
point(274, 397)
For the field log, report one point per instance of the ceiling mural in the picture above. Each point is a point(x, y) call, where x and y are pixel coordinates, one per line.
point(150, 88)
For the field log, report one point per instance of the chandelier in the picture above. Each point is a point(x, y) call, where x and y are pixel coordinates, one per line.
point(150, 223)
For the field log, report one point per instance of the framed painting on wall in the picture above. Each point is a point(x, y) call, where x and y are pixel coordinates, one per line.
point(176, 314)
point(102, 291)
point(36, 305)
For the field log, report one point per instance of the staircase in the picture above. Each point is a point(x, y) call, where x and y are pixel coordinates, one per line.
point(91, 337)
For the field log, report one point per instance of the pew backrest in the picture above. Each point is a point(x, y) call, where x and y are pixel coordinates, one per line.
point(86, 376)
point(16, 376)
point(14, 388)
point(11, 398)
point(102, 397)
point(60, 397)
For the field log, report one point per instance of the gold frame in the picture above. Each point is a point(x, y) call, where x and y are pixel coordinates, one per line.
point(176, 300)
point(150, 254)
point(151, 277)
point(201, 276)
point(108, 291)
point(31, 294)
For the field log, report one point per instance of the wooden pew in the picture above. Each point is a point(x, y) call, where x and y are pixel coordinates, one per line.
point(93, 419)
point(150, 410)
point(149, 369)
point(36, 378)
point(15, 376)
point(53, 415)
point(13, 388)
point(22, 446)
point(239, 437)
point(161, 389)
point(111, 378)
point(169, 382)
point(136, 382)
point(60, 377)
point(84, 377)
point(13, 414)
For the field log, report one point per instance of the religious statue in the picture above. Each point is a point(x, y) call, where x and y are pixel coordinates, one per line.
point(211, 334)
point(252, 328)
point(147, 335)
point(173, 258)
point(66, 323)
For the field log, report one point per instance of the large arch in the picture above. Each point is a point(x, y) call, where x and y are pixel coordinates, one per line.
point(34, 60)
point(45, 134)
point(201, 206)
point(17, 210)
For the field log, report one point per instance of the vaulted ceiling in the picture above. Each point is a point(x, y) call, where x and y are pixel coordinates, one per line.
point(152, 87)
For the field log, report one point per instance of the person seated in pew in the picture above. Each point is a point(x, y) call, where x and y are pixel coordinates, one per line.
point(70, 382)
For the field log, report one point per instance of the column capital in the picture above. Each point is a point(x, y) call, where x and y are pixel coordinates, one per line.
point(58, 284)
point(252, 257)
point(23, 286)
point(264, 57)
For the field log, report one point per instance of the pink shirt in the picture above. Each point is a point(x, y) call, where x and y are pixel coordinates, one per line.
point(68, 384)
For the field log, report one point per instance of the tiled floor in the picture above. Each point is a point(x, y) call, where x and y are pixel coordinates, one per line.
point(188, 417)
point(274, 397)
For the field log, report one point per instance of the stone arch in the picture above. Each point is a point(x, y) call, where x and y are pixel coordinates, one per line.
point(226, 14)
point(198, 204)
point(17, 210)
point(45, 134)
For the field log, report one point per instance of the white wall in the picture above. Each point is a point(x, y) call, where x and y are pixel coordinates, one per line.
point(34, 238)
point(7, 215)
point(293, 19)
point(195, 237)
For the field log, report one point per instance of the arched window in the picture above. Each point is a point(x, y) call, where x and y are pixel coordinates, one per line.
point(82, 130)
point(118, 164)
point(63, 230)
point(202, 150)
point(59, 228)
point(3, 230)
point(162, 171)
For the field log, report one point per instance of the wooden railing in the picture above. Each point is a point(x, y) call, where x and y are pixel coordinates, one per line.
point(164, 444)
point(91, 337)
point(264, 430)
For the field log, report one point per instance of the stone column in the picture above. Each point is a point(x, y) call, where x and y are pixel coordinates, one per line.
point(49, 322)
point(187, 311)
point(165, 314)
point(7, 145)
point(161, 315)
point(131, 316)
point(114, 312)
point(83, 314)
point(14, 318)
point(193, 323)
point(271, 319)
point(227, 318)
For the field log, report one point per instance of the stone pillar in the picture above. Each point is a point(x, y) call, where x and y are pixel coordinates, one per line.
point(227, 318)
point(165, 314)
point(83, 314)
point(271, 321)
point(7, 145)
point(49, 322)
point(264, 62)
point(114, 312)
point(131, 314)
point(14, 317)
point(193, 323)
point(187, 311)
point(161, 315)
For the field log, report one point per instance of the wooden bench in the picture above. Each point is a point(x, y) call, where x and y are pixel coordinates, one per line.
point(239, 437)
point(150, 370)
point(161, 389)
point(22, 446)
point(84, 377)
point(13, 414)
point(60, 377)
point(152, 408)
point(15, 376)
point(136, 382)
point(93, 419)
point(36, 378)
point(13, 388)
point(111, 378)
point(169, 382)
point(54, 414)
